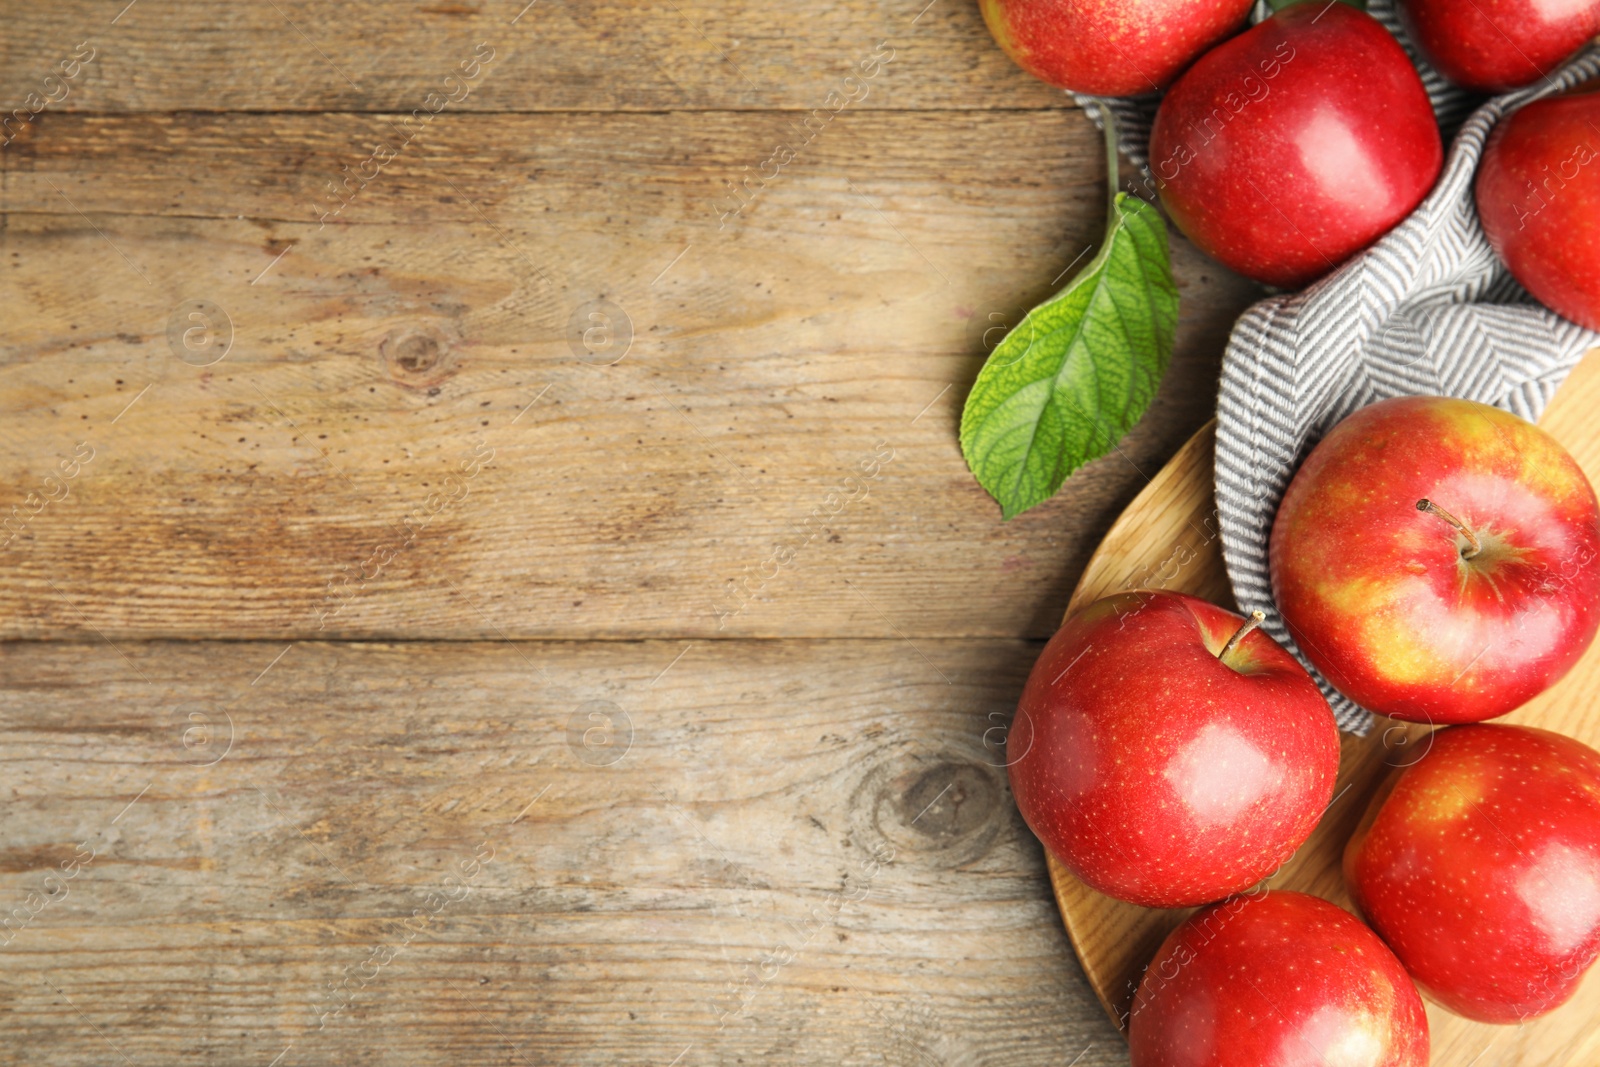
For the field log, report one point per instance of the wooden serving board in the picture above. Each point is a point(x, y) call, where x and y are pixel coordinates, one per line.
point(1168, 539)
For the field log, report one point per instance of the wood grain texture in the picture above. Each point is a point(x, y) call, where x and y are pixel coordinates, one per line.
point(842, 314)
point(590, 55)
point(1168, 539)
point(643, 891)
point(400, 293)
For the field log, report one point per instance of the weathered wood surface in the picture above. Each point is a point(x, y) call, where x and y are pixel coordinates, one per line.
point(643, 892)
point(841, 316)
point(188, 192)
point(1168, 539)
point(310, 55)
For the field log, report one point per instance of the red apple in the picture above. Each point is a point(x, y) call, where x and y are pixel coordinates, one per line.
point(1110, 47)
point(1162, 766)
point(1538, 195)
point(1438, 560)
point(1278, 980)
point(1495, 45)
point(1481, 869)
point(1290, 148)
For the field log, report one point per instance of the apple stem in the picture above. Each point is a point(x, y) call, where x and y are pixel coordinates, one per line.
point(1474, 546)
point(1256, 618)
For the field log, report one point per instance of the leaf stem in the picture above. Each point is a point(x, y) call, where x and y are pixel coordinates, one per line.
point(1108, 123)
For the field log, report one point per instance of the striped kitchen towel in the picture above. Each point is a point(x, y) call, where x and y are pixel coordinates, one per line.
point(1428, 310)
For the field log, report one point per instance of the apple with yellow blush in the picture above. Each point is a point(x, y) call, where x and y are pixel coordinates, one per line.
point(1438, 560)
point(1479, 865)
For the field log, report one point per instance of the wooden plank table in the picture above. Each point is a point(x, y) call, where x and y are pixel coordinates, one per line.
point(472, 595)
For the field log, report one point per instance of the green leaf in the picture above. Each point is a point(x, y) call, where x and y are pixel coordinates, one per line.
point(1075, 375)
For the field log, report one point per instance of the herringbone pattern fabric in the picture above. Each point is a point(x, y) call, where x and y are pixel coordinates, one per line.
point(1429, 310)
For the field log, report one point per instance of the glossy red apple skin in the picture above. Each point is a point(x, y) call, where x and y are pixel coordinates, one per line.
point(1496, 45)
point(1481, 869)
point(1110, 47)
point(1290, 148)
point(1276, 980)
point(1538, 194)
point(1377, 594)
point(1158, 773)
